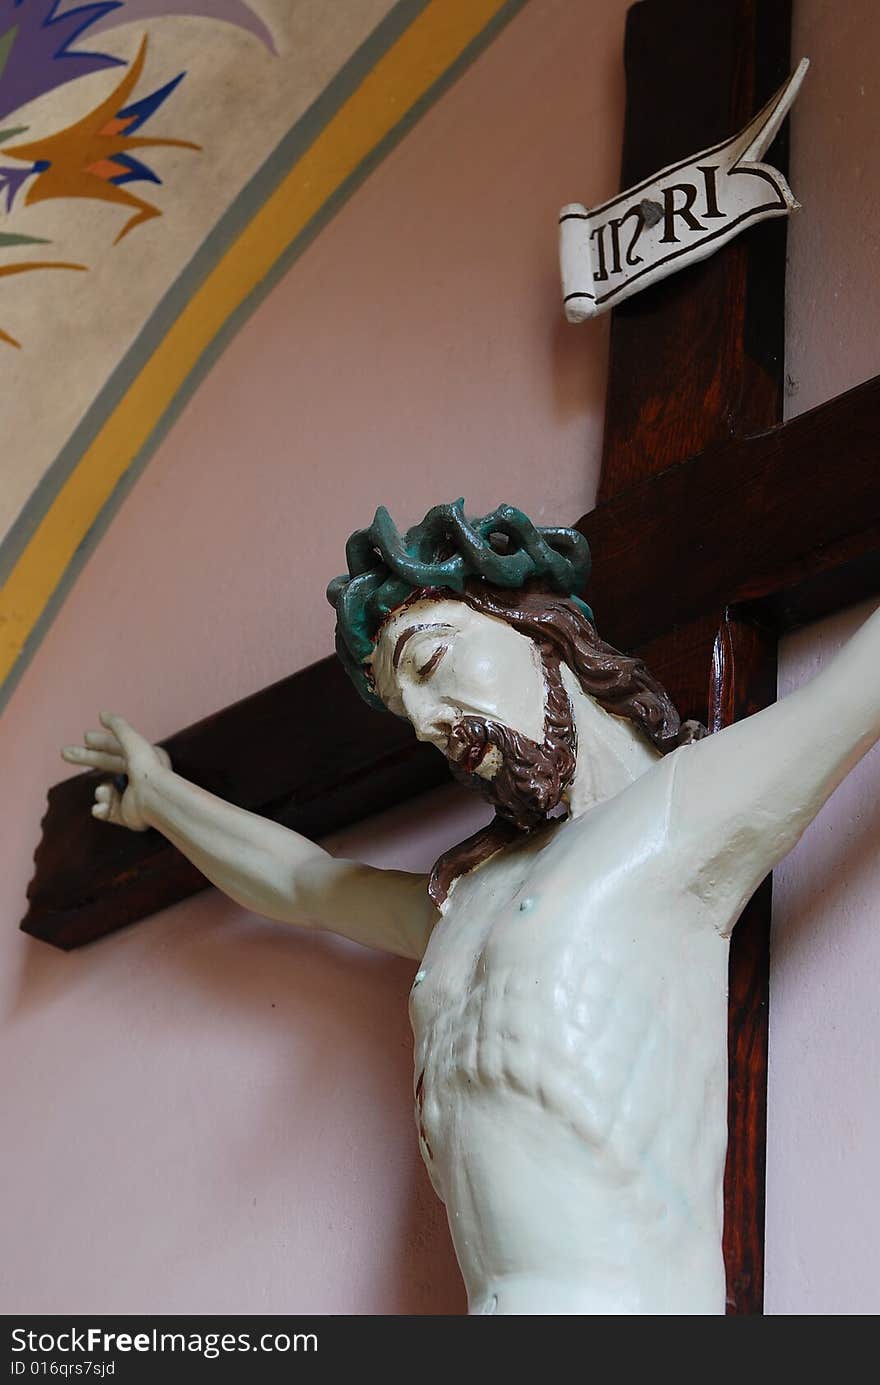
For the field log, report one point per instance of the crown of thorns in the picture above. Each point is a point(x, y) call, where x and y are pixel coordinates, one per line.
point(384, 567)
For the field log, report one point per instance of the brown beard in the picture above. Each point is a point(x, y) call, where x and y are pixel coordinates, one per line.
point(529, 783)
point(532, 776)
point(525, 789)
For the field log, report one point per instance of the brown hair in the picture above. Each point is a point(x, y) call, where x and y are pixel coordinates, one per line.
point(619, 683)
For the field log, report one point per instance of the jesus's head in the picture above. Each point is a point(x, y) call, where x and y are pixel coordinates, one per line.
point(486, 695)
point(470, 629)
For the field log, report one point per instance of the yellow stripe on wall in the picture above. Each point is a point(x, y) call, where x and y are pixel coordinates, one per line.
point(430, 46)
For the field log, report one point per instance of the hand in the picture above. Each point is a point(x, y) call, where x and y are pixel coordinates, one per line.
point(122, 751)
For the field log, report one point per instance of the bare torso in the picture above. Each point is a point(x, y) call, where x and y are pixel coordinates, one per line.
point(570, 1026)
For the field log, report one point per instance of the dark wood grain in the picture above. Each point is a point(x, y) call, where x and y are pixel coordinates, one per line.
point(790, 517)
point(697, 357)
point(696, 362)
point(743, 681)
point(682, 660)
point(307, 752)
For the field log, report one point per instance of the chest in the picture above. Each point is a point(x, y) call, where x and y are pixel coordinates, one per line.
point(568, 923)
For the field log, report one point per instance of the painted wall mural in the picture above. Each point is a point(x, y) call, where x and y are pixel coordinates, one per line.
point(160, 164)
point(94, 156)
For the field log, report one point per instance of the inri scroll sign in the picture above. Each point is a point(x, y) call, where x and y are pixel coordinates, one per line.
point(717, 530)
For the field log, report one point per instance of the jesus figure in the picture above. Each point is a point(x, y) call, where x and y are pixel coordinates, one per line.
point(569, 1006)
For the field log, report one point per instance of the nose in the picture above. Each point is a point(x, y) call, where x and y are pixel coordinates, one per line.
point(429, 719)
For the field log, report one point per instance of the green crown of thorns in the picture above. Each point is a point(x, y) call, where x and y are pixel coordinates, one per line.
point(384, 567)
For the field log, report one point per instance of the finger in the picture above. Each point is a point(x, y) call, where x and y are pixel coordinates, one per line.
point(93, 759)
point(128, 738)
point(102, 740)
point(108, 803)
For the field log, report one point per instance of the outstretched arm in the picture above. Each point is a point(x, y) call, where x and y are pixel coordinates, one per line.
point(260, 864)
point(744, 796)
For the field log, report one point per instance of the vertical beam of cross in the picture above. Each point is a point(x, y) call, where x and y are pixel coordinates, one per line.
point(694, 361)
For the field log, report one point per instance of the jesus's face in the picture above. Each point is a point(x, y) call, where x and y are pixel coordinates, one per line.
point(478, 689)
point(439, 661)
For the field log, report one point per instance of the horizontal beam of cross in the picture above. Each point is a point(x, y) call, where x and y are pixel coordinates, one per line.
point(789, 517)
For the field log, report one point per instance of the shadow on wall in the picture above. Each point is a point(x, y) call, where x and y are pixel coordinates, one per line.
point(826, 865)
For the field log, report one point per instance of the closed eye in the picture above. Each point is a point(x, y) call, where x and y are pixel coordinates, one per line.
point(428, 668)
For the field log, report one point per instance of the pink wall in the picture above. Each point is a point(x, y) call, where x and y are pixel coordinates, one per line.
point(823, 1209)
point(210, 1112)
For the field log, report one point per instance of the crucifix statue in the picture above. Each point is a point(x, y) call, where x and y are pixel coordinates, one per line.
point(570, 1005)
point(717, 528)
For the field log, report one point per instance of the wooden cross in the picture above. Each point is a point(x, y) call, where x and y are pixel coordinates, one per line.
point(717, 529)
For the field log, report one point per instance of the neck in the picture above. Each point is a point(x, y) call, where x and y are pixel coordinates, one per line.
point(611, 754)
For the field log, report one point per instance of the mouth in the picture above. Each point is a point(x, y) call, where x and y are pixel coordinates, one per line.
point(471, 750)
